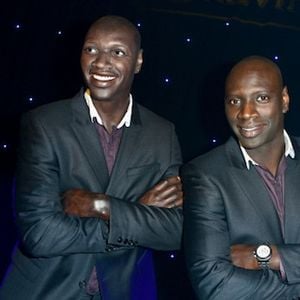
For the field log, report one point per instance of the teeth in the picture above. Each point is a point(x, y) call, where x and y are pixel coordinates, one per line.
point(249, 129)
point(103, 77)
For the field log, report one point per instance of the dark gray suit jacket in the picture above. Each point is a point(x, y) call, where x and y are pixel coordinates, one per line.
point(226, 204)
point(60, 150)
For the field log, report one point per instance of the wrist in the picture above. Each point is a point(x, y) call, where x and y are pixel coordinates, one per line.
point(101, 206)
point(263, 255)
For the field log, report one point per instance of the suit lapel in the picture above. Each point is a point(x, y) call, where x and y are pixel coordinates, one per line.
point(89, 141)
point(130, 142)
point(253, 187)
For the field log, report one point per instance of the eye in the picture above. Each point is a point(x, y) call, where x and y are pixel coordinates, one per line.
point(118, 52)
point(233, 101)
point(263, 98)
point(90, 50)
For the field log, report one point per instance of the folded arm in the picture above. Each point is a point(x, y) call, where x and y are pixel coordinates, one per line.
point(45, 230)
point(216, 268)
point(161, 204)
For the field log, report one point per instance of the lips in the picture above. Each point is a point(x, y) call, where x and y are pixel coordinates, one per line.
point(251, 131)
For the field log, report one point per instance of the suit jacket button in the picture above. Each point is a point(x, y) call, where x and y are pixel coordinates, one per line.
point(82, 284)
point(109, 248)
point(120, 240)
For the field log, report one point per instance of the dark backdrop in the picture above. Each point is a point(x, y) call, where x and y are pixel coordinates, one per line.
point(189, 46)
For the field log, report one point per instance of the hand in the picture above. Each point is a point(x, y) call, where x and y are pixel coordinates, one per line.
point(242, 256)
point(82, 203)
point(167, 193)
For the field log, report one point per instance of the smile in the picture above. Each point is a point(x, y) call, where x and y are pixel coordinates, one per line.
point(251, 132)
point(103, 77)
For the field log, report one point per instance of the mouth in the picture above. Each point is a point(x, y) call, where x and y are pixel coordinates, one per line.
point(251, 131)
point(103, 78)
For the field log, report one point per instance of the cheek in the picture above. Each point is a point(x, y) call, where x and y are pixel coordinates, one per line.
point(272, 113)
point(84, 62)
point(230, 114)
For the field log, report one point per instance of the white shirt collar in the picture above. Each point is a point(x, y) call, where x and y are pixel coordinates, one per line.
point(126, 120)
point(289, 151)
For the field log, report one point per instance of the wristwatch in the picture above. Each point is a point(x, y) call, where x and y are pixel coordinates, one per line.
point(263, 254)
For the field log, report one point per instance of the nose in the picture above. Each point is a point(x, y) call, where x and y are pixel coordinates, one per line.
point(247, 110)
point(102, 59)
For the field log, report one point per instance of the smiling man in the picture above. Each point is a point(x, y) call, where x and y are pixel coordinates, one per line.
point(241, 214)
point(97, 183)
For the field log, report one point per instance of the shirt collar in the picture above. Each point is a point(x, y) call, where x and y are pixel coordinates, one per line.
point(289, 151)
point(126, 120)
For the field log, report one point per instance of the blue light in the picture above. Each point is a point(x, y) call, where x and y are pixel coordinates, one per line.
point(227, 24)
point(167, 80)
point(59, 32)
point(138, 24)
point(30, 99)
point(188, 40)
point(276, 57)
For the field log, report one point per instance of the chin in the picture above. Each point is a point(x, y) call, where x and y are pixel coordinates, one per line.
point(250, 144)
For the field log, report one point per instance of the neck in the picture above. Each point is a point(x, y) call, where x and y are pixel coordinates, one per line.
point(269, 157)
point(111, 112)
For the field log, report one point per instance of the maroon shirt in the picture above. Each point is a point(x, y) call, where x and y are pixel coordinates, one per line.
point(275, 187)
point(110, 144)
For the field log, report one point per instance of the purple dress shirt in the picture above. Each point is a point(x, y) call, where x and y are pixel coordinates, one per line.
point(110, 144)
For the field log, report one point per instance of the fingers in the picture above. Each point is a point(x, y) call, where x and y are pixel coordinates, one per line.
point(169, 192)
point(171, 181)
point(173, 200)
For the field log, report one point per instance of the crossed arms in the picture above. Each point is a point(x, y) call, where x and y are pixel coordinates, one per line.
point(82, 203)
point(218, 267)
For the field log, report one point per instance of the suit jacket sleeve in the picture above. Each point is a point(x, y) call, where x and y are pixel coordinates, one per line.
point(133, 224)
point(207, 247)
point(44, 229)
point(290, 250)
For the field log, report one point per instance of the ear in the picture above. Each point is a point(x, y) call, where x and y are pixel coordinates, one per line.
point(139, 62)
point(285, 100)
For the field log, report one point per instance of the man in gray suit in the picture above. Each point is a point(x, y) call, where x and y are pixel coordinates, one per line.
point(242, 199)
point(97, 183)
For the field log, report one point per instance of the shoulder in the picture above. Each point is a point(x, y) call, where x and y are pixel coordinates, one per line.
point(216, 160)
point(296, 144)
point(55, 112)
point(150, 119)
point(295, 141)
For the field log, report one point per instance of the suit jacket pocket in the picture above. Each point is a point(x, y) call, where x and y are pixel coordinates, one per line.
point(151, 168)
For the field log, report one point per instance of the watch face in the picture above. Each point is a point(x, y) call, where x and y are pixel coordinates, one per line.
point(263, 251)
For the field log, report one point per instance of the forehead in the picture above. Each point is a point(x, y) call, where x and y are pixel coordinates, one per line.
point(111, 32)
point(253, 74)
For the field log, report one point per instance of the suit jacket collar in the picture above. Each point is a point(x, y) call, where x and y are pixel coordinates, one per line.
point(89, 142)
point(251, 184)
point(131, 142)
point(88, 139)
point(235, 154)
